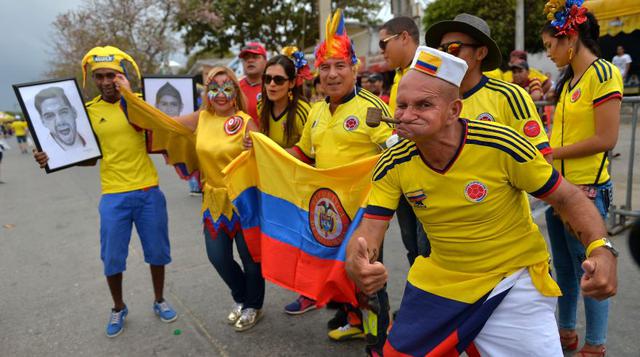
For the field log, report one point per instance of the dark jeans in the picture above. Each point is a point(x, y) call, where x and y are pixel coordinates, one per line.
point(413, 236)
point(247, 287)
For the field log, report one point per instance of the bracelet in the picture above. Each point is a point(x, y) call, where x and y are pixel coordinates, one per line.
point(595, 244)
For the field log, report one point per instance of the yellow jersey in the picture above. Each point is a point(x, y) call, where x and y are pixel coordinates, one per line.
point(393, 95)
point(495, 74)
point(218, 142)
point(343, 137)
point(574, 120)
point(125, 164)
point(473, 211)
point(508, 104)
point(19, 127)
point(277, 125)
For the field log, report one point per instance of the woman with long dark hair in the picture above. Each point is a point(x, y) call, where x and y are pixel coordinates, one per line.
point(283, 110)
point(586, 124)
point(283, 113)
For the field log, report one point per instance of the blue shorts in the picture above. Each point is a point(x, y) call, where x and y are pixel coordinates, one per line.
point(21, 138)
point(147, 209)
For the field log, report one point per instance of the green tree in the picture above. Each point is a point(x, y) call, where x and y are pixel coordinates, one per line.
point(217, 25)
point(142, 28)
point(499, 14)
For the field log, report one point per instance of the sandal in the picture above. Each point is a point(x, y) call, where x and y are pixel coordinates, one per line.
point(569, 343)
point(600, 353)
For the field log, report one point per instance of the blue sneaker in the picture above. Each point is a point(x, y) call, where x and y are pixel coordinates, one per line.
point(116, 322)
point(165, 311)
point(300, 306)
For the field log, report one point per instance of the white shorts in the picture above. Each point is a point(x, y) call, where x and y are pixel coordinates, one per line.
point(524, 324)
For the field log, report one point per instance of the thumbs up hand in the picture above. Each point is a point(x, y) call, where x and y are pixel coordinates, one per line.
point(369, 277)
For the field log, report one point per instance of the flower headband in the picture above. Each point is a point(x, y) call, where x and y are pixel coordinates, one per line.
point(565, 16)
point(302, 66)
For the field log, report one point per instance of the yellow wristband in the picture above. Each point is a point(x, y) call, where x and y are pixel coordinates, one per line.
point(595, 244)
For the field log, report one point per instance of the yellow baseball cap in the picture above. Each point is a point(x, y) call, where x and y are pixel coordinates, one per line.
point(106, 57)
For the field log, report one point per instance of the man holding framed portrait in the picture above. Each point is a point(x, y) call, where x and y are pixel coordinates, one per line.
point(130, 192)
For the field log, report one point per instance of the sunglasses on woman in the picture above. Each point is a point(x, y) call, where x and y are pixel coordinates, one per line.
point(454, 47)
point(280, 80)
point(383, 43)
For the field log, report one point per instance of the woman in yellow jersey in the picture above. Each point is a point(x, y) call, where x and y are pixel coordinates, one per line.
point(219, 128)
point(585, 127)
point(283, 111)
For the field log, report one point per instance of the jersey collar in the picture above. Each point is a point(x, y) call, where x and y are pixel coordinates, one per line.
point(463, 140)
point(476, 88)
point(347, 97)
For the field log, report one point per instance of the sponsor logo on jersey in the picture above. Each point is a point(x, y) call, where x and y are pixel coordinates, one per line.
point(417, 198)
point(351, 123)
point(485, 117)
point(531, 128)
point(475, 191)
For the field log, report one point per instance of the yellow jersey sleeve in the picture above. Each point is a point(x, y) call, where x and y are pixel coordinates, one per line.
point(607, 84)
point(386, 190)
point(304, 145)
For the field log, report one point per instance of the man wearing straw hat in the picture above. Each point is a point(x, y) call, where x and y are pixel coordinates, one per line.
point(130, 192)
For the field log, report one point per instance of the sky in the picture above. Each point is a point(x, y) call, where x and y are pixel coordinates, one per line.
point(25, 26)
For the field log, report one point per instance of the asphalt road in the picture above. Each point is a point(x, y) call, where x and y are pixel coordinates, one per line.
point(54, 299)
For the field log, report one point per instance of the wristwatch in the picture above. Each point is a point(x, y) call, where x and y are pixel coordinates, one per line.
point(602, 242)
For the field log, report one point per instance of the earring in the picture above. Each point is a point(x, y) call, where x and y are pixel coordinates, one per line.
point(570, 54)
point(290, 95)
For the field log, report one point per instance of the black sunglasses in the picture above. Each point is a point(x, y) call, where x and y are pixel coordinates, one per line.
point(454, 47)
point(280, 80)
point(383, 43)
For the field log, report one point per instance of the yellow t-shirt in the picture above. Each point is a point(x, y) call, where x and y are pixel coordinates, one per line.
point(276, 125)
point(343, 137)
point(393, 95)
point(508, 104)
point(218, 142)
point(574, 120)
point(125, 165)
point(474, 211)
point(19, 127)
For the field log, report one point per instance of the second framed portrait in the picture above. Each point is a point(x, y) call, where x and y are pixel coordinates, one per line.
point(58, 122)
point(173, 95)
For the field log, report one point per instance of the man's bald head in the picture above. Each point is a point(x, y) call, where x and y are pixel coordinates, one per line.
point(416, 80)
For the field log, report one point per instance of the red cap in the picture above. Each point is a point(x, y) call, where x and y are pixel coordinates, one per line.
point(255, 48)
point(520, 54)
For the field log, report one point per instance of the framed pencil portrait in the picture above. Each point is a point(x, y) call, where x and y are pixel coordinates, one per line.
point(172, 95)
point(58, 122)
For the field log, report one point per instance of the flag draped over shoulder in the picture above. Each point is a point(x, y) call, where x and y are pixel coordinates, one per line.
point(164, 135)
point(298, 219)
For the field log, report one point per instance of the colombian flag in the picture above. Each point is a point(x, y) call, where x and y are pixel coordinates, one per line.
point(299, 219)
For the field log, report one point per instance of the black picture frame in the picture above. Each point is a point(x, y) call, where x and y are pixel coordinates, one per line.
point(185, 85)
point(60, 155)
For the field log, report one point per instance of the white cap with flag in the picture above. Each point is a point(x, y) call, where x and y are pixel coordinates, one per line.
point(439, 64)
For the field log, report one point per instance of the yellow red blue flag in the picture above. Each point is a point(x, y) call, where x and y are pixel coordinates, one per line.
point(298, 219)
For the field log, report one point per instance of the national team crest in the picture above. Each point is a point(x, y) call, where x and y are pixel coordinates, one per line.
point(485, 117)
point(259, 97)
point(327, 218)
point(351, 123)
point(576, 95)
point(417, 198)
point(233, 125)
point(475, 191)
point(531, 128)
